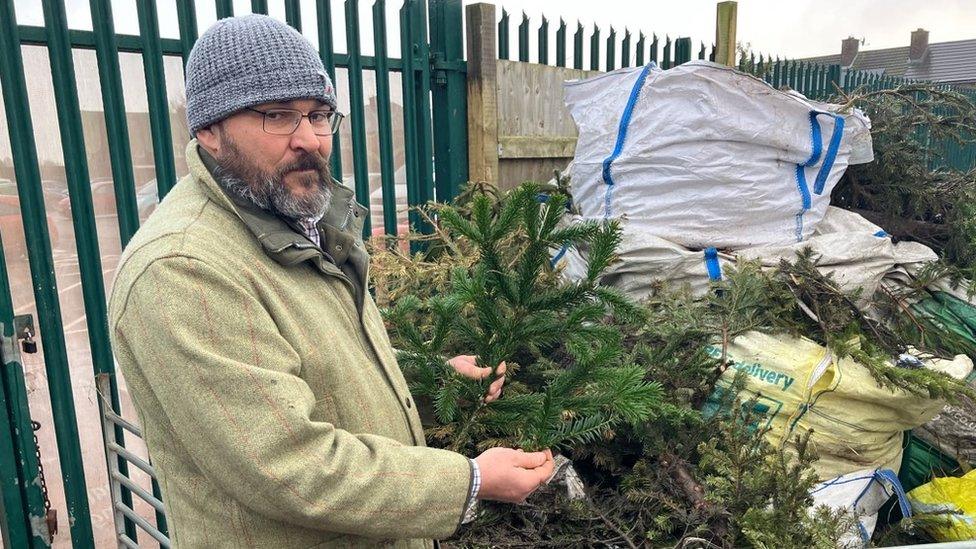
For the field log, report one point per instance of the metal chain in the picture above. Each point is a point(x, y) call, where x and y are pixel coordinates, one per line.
point(36, 426)
point(50, 516)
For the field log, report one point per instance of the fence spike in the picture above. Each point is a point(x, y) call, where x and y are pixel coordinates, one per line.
point(595, 48)
point(503, 26)
point(625, 49)
point(578, 46)
point(639, 58)
point(523, 38)
point(666, 53)
point(611, 49)
point(561, 44)
point(544, 41)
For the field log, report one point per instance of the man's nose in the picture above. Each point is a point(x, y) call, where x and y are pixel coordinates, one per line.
point(304, 137)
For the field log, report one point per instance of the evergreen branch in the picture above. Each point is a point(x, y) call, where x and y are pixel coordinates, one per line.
point(453, 220)
point(554, 210)
point(482, 219)
point(446, 401)
point(581, 232)
point(581, 431)
point(602, 250)
point(513, 207)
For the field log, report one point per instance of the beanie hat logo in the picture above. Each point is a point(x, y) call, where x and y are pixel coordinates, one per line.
point(244, 61)
point(326, 83)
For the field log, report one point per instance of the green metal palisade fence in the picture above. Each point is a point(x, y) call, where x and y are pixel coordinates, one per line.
point(674, 52)
point(433, 75)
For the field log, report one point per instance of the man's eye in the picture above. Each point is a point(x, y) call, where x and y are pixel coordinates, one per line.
point(319, 117)
point(274, 115)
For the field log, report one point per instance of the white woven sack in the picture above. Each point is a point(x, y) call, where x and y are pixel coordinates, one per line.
point(702, 155)
point(857, 253)
point(861, 493)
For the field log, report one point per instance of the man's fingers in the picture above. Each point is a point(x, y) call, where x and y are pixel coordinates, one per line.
point(545, 471)
point(530, 460)
point(495, 389)
point(496, 386)
point(466, 365)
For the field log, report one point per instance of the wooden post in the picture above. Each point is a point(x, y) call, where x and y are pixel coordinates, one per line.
point(482, 94)
point(725, 33)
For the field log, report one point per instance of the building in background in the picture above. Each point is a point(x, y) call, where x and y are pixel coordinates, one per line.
point(942, 62)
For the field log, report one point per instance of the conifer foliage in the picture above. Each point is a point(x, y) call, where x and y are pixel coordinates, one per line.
point(568, 382)
point(619, 387)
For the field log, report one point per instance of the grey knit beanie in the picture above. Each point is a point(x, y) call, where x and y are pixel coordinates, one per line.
point(244, 61)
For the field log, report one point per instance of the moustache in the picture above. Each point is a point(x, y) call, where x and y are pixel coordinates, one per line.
point(305, 162)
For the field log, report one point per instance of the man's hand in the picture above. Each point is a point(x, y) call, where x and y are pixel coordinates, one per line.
point(467, 366)
point(512, 475)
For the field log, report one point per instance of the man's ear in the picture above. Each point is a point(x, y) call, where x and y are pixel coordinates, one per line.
point(209, 138)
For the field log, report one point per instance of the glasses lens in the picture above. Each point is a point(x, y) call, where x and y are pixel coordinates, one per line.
point(281, 122)
point(336, 121)
point(321, 122)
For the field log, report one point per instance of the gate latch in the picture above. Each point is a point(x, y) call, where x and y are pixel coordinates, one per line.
point(24, 331)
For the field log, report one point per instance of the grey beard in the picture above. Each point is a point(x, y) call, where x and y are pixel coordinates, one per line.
point(245, 181)
point(272, 195)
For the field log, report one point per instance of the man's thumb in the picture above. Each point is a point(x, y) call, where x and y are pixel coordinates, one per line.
point(530, 460)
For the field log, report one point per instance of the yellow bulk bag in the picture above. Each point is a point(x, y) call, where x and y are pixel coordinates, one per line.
point(956, 498)
point(799, 385)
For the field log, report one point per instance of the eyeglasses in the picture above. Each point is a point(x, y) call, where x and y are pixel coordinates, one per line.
point(286, 121)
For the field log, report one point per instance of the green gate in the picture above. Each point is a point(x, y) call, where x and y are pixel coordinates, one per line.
point(434, 161)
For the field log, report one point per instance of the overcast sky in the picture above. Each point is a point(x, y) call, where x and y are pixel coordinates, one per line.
point(781, 27)
point(794, 28)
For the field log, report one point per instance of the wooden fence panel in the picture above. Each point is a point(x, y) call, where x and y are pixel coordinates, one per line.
point(536, 134)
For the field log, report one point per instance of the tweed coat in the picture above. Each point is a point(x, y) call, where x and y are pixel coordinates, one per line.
point(271, 401)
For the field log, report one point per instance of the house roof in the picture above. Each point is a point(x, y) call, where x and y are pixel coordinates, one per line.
point(949, 62)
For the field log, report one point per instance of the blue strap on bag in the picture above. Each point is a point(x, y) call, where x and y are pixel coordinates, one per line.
point(881, 476)
point(622, 137)
point(816, 137)
point(885, 476)
point(712, 264)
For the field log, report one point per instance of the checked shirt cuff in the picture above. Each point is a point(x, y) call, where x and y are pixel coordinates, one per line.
point(475, 484)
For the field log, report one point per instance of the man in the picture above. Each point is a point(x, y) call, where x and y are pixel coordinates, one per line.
point(269, 395)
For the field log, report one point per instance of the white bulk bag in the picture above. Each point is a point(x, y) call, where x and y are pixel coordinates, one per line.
point(702, 155)
point(856, 252)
